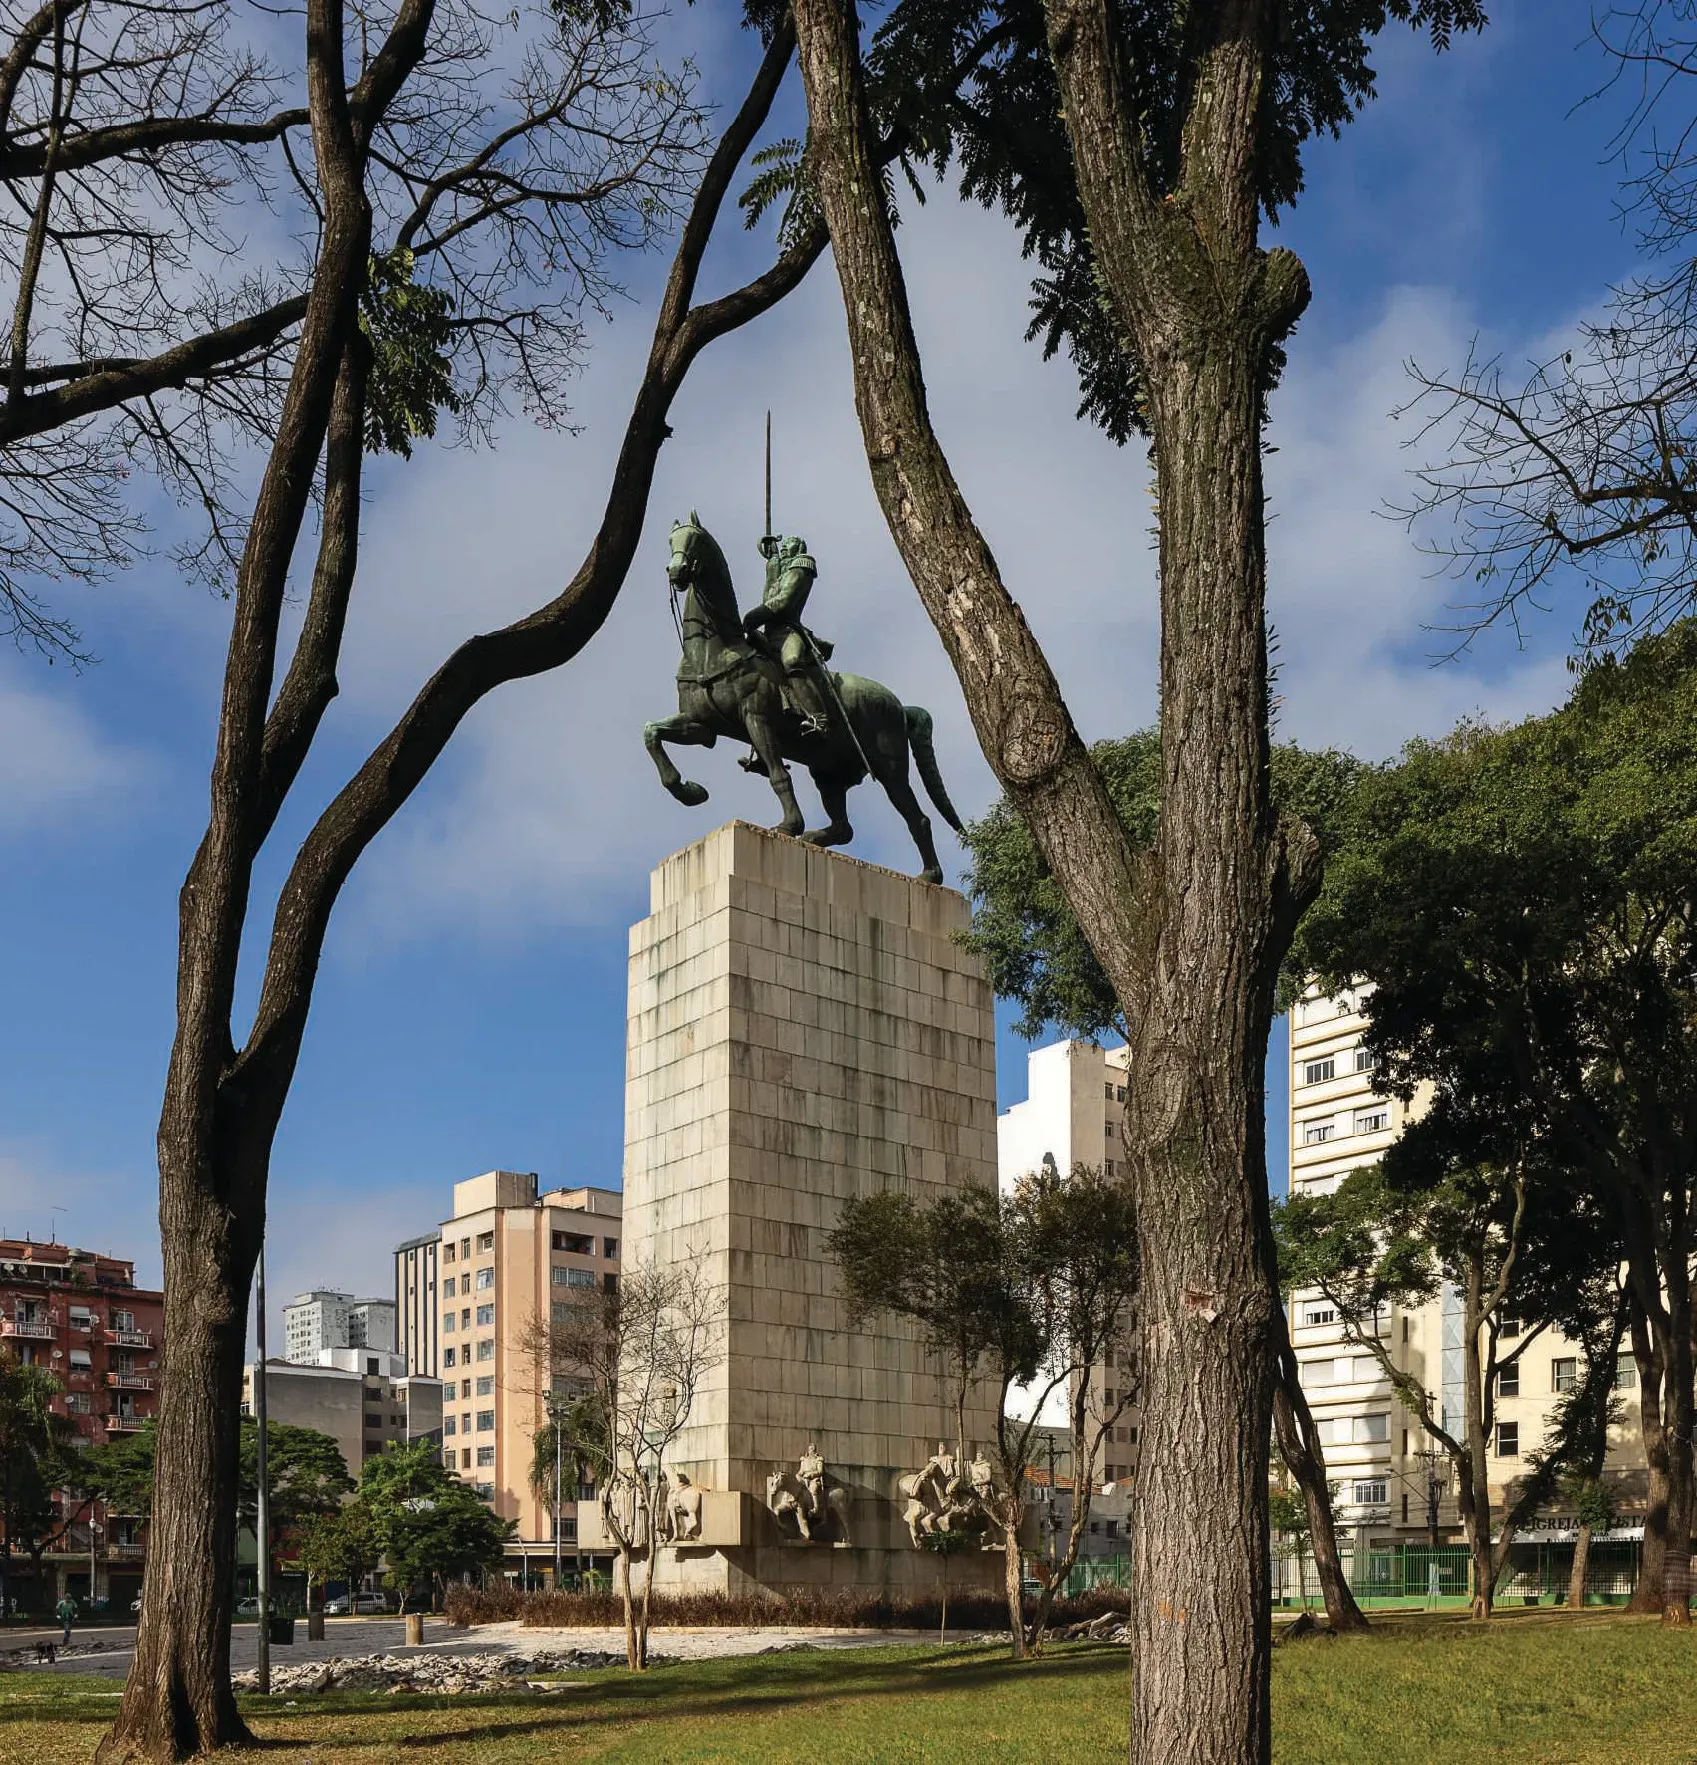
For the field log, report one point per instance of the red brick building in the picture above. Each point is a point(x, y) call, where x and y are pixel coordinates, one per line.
point(81, 1315)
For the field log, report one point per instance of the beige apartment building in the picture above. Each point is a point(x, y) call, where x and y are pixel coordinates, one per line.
point(505, 1257)
point(1374, 1447)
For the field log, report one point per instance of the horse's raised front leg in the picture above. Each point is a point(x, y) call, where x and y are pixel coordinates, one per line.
point(763, 738)
point(833, 793)
point(687, 733)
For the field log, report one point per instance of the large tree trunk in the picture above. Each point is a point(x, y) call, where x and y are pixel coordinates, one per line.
point(1299, 1446)
point(1474, 1482)
point(1647, 1595)
point(1679, 1412)
point(177, 1699)
point(1191, 939)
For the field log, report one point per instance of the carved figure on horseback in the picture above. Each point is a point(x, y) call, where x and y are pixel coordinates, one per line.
point(762, 679)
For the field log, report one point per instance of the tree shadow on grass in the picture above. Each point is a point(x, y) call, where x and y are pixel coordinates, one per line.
point(638, 1701)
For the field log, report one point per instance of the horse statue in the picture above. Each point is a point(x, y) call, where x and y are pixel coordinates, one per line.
point(729, 686)
point(812, 1498)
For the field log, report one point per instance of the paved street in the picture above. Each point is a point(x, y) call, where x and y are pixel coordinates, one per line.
point(107, 1651)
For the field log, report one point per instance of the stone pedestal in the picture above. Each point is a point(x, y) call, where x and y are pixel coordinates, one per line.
point(803, 1027)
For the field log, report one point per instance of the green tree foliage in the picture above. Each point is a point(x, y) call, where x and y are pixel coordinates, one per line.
point(582, 1430)
point(407, 326)
point(36, 1457)
point(430, 1526)
point(1004, 132)
point(1524, 903)
point(341, 1545)
point(1021, 924)
point(305, 1469)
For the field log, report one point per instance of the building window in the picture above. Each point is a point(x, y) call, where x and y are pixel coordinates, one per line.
point(1405, 1508)
point(465, 1250)
point(486, 1455)
point(465, 1458)
point(1108, 1092)
point(448, 1288)
point(564, 1277)
point(485, 1241)
point(1374, 1120)
point(465, 1388)
point(486, 1349)
point(449, 1426)
point(1508, 1440)
point(1626, 1372)
point(448, 1252)
point(1508, 1380)
point(447, 1357)
point(1108, 1130)
point(1564, 1374)
point(486, 1492)
point(486, 1385)
point(610, 1281)
point(1508, 1329)
point(465, 1317)
point(486, 1421)
point(486, 1314)
point(1119, 1093)
point(1319, 1314)
point(79, 1403)
point(1363, 1060)
point(1316, 1133)
point(575, 1243)
point(1107, 1167)
point(609, 1247)
point(448, 1323)
point(1317, 1072)
point(1372, 1429)
point(485, 1280)
point(1371, 1493)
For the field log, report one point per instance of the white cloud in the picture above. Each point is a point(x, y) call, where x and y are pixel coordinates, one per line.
point(54, 762)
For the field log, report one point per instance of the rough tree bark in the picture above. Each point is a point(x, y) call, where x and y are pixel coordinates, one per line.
point(222, 1104)
point(1299, 1446)
point(177, 1700)
point(1191, 937)
point(1647, 1595)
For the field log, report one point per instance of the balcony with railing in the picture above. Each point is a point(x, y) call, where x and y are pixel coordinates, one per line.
point(129, 1338)
point(117, 1423)
point(130, 1381)
point(33, 1328)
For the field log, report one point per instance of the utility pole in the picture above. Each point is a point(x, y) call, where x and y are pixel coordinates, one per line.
point(263, 1527)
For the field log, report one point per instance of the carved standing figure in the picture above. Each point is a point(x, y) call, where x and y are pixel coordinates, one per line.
point(776, 695)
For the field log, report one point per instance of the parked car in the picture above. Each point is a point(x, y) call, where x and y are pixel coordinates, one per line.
point(249, 1607)
point(346, 1604)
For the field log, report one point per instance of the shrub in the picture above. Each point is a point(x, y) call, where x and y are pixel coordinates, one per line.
point(825, 1608)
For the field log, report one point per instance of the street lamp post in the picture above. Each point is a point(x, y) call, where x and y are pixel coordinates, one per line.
point(556, 1418)
point(263, 1517)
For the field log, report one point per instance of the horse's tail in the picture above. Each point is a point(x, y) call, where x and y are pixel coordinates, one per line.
point(918, 721)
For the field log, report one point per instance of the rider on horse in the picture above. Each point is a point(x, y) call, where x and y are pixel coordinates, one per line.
point(790, 575)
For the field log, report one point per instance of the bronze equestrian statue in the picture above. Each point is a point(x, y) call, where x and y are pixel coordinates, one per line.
point(762, 679)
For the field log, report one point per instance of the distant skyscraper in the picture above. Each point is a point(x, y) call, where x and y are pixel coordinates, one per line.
point(324, 1319)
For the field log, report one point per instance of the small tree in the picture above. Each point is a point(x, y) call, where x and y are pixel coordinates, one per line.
point(430, 1526)
point(1369, 1245)
point(1028, 1290)
point(343, 1544)
point(642, 1349)
point(35, 1455)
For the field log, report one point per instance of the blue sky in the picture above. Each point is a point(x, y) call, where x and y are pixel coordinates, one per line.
point(470, 1011)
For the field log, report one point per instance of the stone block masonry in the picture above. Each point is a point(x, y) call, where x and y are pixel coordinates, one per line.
point(803, 1027)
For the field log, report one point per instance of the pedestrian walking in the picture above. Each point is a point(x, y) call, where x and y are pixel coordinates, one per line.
point(66, 1613)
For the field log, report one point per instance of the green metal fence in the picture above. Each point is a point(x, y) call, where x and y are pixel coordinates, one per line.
point(1428, 1577)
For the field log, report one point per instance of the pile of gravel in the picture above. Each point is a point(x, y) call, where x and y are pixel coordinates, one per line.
point(493, 1671)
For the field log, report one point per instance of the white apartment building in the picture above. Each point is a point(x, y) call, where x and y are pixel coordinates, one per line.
point(323, 1318)
point(1375, 1448)
point(1074, 1113)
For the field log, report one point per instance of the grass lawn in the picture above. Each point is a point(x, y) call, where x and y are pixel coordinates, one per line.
point(1530, 1690)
